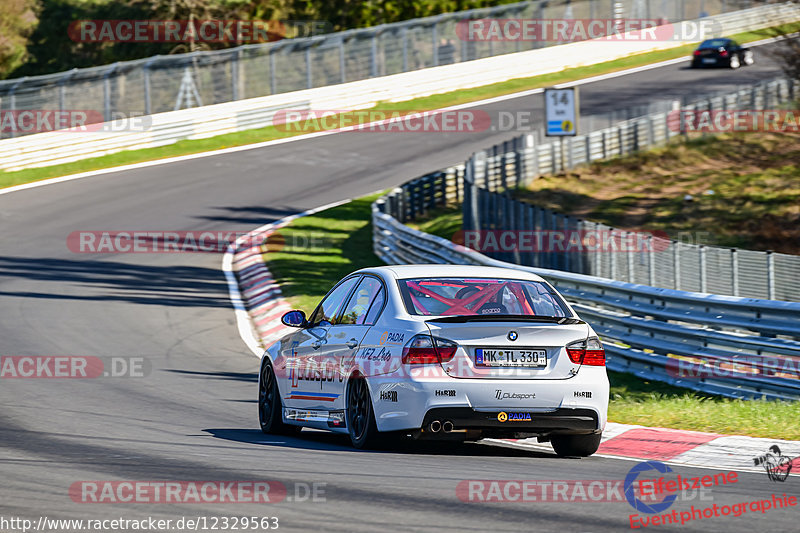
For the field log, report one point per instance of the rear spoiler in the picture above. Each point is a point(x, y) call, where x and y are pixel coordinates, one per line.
point(461, 319)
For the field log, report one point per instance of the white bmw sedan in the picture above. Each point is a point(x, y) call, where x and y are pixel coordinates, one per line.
point(439, 352)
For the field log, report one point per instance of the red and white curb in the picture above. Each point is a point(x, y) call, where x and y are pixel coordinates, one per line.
point(679, 447)
point(256, 298)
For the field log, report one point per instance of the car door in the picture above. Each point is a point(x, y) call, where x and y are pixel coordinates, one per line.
point(345, 336)
point(304, 366)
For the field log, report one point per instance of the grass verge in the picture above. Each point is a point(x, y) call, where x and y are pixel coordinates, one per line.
point(8, 179)
point(745, 191)
point(320, 249)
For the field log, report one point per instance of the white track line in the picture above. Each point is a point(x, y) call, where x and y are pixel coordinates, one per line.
point(243, 322)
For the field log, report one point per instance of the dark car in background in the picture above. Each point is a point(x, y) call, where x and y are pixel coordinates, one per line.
point(721, 53)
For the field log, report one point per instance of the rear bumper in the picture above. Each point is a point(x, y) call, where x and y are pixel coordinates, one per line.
point(491, 423)
point(577, 405)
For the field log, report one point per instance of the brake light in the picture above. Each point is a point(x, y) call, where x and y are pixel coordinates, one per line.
point(427, 350)
point(589, 352)
point(697, 52)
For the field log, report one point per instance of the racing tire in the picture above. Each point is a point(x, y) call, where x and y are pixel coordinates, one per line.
point(735, 63)
point(270, 417)
point(360, 415)
point(575, 445)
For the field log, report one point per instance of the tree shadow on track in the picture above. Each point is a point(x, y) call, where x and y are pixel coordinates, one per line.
point(109, 281)
point(255, 215)
point(323, 440)
point(250, 377)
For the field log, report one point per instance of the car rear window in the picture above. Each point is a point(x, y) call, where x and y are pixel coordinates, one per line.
point(480, 296)
point(714, 43)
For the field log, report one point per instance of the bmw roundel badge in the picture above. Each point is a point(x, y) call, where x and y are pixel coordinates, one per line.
point(512, 335)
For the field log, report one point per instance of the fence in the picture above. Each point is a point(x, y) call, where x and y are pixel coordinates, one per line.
point(647, 259)
point(165, 83)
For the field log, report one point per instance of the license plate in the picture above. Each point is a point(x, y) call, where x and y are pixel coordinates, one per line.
point(517, 357)
point(709, 60)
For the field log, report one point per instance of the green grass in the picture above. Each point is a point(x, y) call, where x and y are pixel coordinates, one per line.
point(8, 179)
point(651, 403)
point(755, 179)
point(341, 239)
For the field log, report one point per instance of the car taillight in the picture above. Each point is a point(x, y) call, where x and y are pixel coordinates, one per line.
point(589, 352)
point(427, 350)
point(723, 52)
point(697, 52)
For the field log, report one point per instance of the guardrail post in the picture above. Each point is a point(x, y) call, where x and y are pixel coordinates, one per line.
point(235, 74)
point(676, 264)
point(613, 255)
point(401, 204)
point(567, 259)
point(770, 275)
point(701, 250)
point(651, 263)
point(309, 80)
point(735, 272)
point(373, 53)
point(273, 79)
point(107, 91)
point(630, 255)
point(404, 37)
point(598, 257)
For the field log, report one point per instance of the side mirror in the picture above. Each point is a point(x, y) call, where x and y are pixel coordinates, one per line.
point(294, 319)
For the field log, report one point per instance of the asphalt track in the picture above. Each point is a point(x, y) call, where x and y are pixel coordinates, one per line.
point(193, 417)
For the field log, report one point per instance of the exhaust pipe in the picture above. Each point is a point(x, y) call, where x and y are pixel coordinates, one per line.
point(447, 426)
point(435, 426)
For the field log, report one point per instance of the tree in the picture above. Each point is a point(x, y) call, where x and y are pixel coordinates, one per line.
point(17, 23)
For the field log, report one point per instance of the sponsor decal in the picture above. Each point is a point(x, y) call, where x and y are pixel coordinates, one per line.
point(500, 395)
point(392, 338)
point(513, 417)
point(318, 396)
point(583, 394)
point(373, 354)
point(389, 395)
point(445, 392)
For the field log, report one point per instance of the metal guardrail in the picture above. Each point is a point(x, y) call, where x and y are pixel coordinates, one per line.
point(726, 345)
point(655, 261)
point(682, 338)
point(155, 84)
